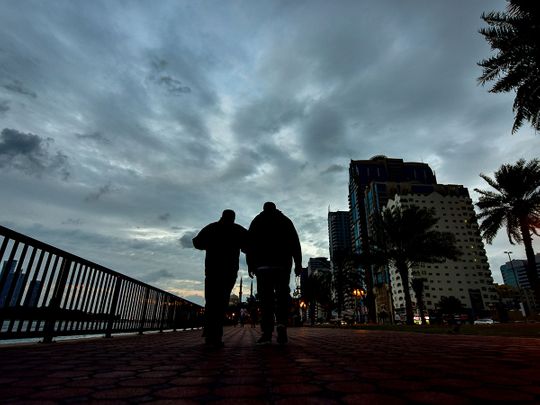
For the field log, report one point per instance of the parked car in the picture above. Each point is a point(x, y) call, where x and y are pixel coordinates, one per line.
point(484, 321)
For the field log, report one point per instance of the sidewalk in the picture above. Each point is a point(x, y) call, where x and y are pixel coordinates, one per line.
point(318, 366)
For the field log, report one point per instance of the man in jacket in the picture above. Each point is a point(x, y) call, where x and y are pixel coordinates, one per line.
point(273, 246)
point(222, 241)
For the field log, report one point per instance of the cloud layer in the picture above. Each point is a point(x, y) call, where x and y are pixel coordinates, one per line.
point(128, 128)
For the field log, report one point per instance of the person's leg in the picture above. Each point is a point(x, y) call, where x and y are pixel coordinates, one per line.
point(213, 300)
point(265, 289)
point(226, 285)
point(283, 302)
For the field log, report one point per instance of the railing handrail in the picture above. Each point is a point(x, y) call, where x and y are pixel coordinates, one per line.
point(53, 249)
point(65, 294)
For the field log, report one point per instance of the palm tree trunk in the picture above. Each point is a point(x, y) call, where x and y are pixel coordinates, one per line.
point(404, 274)
point(532, 274)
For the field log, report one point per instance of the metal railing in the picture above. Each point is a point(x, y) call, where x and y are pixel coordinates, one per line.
point(47, 292)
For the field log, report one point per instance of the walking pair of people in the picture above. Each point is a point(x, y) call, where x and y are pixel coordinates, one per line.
point(271, 246)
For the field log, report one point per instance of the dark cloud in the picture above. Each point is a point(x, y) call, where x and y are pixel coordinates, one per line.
point(155, 276)
point(17, 86)
point(30, 153)
point(165, 216)
point(4, 106)
point(266, 116)
point(186, 240)
point(199, 108)
point(73, 221)
point(335, 168)
point(94, 136)
point(172, 85)
point(324, 132)
point(96, 196)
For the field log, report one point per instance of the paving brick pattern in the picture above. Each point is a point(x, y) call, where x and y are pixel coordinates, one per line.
point(318, 366)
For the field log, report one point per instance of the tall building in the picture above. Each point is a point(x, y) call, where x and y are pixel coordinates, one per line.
point(10, 279)
point(339, 233)
point(339, 237)
point(368, 194)
point(468, 278)
point(318, 264)
point(379, 169)
point(514, 273)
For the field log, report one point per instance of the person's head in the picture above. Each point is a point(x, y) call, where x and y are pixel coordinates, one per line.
point(269, 206)
point(228, 216)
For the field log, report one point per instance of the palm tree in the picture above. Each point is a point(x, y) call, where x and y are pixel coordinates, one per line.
point(404, 238)
point(516, 205)
point(515, 34)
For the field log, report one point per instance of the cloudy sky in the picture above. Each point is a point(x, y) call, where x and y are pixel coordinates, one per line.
point(127, 126)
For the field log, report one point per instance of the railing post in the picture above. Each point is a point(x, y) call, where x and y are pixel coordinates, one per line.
point(114, 304)
point(54, 303)
point(143, 317)
point(164, 313)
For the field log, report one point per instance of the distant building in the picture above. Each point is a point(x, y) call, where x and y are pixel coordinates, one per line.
point(379, 169)
point(340, 246)
point(32, 296)
point(514, 273)
point(339, 234)
point(318, 264)
point(468, 278)
point(10, 280)
point(368, 194)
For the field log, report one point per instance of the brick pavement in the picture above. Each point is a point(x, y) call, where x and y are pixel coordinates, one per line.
point(318, 366)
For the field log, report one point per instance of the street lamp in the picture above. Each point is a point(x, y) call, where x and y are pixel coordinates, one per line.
point(523, 311)
point(512, 266)
point(357, 293)
point(303, 307)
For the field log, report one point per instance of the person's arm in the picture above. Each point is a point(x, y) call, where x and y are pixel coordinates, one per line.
point(201, 240)
point(296, 251)
point(249, 250)
point(244, 239)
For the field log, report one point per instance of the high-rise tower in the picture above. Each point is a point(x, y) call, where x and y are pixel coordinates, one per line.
point(339, 237)
point(364, 203)
point(468, 277)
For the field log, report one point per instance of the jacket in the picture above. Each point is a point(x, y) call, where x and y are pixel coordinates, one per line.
point(273, 242)
point(222, 242)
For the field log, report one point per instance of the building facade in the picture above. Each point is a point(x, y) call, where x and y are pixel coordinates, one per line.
point(318, 264)
point(12, 282)
point(368, 194)
point(339, 234)
point(468, 278)
point(339, 238)
point(514, 274)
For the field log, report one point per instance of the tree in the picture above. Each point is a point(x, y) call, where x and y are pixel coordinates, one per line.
point(515, 35)
point(405, 238)
point(515, 204)
point(450, 306)
point(319, 290)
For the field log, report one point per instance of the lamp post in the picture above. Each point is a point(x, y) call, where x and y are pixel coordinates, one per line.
point(357, 293)
point(522, 308)
point(512, 266)
point(303, 307)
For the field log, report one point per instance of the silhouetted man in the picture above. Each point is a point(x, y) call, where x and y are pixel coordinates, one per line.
point(222, 241)
point(273, 245)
